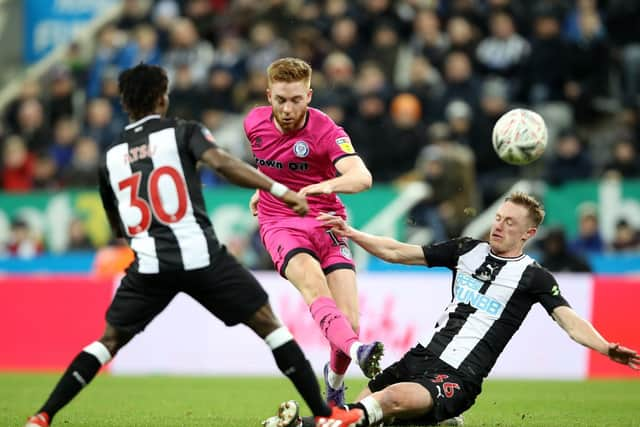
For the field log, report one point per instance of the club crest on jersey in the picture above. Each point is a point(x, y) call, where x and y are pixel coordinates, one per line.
point(345, 252)
point(301, 149)
point(345, 145)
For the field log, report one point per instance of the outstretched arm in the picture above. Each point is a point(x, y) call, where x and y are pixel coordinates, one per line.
point(583, 332)
point(354, 178)
point(242, 174)
point(385, 248)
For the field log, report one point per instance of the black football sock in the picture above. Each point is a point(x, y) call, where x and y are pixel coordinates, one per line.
point(79, 373)
point(292, 362)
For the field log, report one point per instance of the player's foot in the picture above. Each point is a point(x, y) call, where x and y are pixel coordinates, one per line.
point(340, 418)
point(369, 356)
point(455, 421)
point(38, 420)
point(288, 416)
point(335, 396)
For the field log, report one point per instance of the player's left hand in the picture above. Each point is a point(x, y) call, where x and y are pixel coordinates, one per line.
point(319, 188)
point(624, 355)
point(336, 223)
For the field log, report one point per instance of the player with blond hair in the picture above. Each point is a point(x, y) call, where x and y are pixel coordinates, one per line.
point(305, 150)
point(494, 285)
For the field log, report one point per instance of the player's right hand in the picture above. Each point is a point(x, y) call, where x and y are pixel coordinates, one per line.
point(253, 203)
point(624, 355)
point(296, 202)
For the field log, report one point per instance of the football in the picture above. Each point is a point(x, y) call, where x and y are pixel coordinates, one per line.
point(520, 136)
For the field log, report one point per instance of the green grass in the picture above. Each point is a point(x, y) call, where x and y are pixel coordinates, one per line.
point(239, 402)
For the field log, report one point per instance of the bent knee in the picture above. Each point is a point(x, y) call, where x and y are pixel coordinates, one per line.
point(263, 321)
point(407, 399)
point(114, 339)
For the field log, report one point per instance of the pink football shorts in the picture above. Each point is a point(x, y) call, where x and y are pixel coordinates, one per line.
point(287, 237)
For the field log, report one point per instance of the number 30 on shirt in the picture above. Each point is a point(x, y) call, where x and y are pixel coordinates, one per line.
point(157, 207)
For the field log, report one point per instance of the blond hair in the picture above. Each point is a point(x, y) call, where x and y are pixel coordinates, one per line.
point(535, 208)
point(289, 70)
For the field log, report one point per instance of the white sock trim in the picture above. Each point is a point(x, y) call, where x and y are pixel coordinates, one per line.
point(98, 349)
point(335, 380)
point(373, 408)
point(279, 337)
point(353, 351)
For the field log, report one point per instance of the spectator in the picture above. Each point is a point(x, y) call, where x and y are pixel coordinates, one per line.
point(17, 166)
point(425, 82)
point(84, 164)
point(427, 39)
point(61, 92)
point(460, 119)
point(589, 240)
point(462, 36)
point(45, 172)
point(625, 162)
point(570, 160)
point(78, 238)
point(110, 41)
point(143, 48)
point(30, 89)
point(556, 256)
point(588, 66)
point(65, 133)
point(265, 46)
point(345, 38)
point(369, 130)
point(545, 73)
point(622, 23)
point(187, 49)
point(439, 211)
point(32, 125)
point(23, 242)
point(134, 13)
point(461, 82)
point(406, 137)
point(626, 237)
point(503, 52)
point(186, 98)
point(99, 124)
point(202, 14)
point(218, 93)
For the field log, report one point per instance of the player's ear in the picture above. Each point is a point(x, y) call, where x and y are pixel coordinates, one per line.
point(268, 91)
point(309, 95)
point(530, 233)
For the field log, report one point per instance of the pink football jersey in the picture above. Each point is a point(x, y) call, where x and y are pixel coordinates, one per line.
point(297, 159)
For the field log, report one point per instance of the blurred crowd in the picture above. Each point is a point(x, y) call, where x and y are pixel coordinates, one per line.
point(418, 84)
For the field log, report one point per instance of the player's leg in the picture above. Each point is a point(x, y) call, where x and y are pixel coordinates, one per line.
point(231, 293)
point(403, 401)
point(289, 357)
point(133, 307)
point(342, 284)
point(81, 371)
point(294, 248)
point(305, 273)
point(397, 402)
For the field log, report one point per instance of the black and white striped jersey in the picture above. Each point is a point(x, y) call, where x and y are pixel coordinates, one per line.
point(151, 192)
point(491, 296)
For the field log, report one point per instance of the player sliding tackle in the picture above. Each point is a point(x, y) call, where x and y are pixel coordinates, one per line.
point(494, 286)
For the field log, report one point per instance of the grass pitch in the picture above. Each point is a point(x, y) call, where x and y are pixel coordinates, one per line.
point(244, 402)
